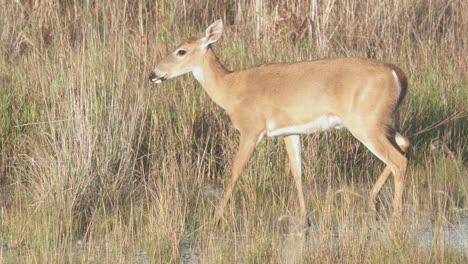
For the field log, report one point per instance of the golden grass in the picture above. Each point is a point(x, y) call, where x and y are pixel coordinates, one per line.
point(99, 166)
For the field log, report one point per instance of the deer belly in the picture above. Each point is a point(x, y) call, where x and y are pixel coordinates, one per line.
point(320, 124)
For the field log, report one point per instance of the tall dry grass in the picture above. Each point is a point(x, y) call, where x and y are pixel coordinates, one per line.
point(97, 165)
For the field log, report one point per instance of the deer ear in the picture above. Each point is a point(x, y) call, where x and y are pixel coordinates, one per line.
point(213, 32)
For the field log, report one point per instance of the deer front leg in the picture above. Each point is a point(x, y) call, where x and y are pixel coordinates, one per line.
point(293, 148)
point(247, 145)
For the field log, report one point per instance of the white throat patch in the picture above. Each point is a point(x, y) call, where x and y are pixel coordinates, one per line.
point(198, 73)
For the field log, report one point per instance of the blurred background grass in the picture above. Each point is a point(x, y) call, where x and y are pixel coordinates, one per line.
point(97, 165)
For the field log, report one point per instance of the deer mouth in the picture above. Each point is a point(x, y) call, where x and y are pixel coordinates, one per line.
point(155, 79)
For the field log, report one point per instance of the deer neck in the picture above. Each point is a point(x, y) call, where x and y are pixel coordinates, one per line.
point(211, 75)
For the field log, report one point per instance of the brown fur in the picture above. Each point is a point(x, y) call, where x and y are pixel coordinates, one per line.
point(362, 93)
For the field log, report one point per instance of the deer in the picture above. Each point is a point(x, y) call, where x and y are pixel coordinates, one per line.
point(297, 98)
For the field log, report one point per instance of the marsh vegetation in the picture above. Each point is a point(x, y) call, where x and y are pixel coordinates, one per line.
point(99, 166)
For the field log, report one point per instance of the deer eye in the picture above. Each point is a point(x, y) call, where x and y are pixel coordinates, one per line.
point(181, 52)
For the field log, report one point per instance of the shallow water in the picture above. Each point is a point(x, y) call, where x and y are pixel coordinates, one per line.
point(450, 237)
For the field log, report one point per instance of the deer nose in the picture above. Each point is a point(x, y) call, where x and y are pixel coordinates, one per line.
point(152, 76)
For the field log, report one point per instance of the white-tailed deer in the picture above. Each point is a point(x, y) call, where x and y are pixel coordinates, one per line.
point(290, 99)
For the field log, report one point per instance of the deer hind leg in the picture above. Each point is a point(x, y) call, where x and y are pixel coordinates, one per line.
point(293, 148)
point(403, 144)
point(377, 142)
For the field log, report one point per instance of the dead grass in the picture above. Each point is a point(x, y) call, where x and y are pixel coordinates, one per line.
point(97, 165)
